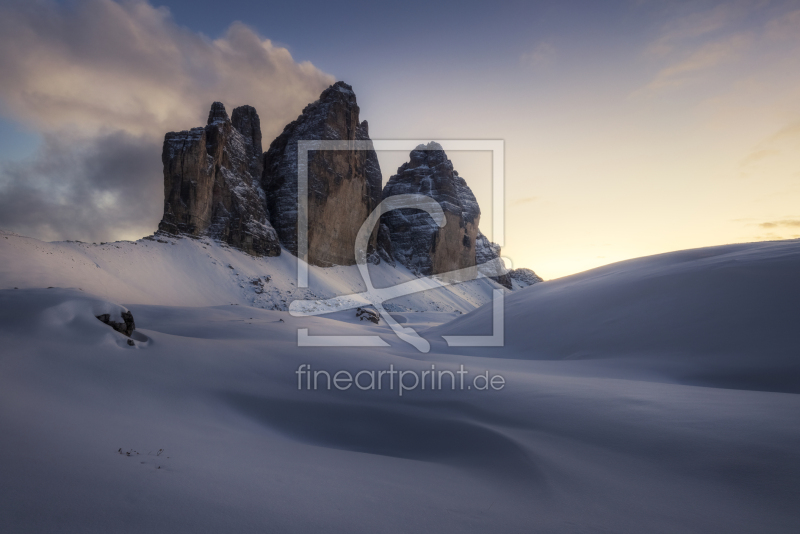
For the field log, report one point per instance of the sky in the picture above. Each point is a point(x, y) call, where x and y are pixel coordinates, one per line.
point(630, 127)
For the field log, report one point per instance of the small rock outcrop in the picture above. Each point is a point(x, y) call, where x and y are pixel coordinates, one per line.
point(212, 182)
point(486, 251)
point(344, 186)
point(368, 314)
point(523, 277)
point(126, 327)
point(416, 240)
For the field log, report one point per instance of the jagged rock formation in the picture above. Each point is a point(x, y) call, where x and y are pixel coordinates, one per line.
point(344, 186)
point(486, 251)
point(217, 182)
point(514, 278)
point(245, 120)
point(524, 277)
point(417, 241)
point(211, 182)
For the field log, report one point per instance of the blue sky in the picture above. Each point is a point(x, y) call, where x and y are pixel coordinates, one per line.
point(16, 141)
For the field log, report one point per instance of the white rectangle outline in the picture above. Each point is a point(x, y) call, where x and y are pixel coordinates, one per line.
point(495, 146)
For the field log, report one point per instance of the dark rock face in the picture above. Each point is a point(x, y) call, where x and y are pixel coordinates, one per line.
point(524, 277)
point(217, 113)
point(486, 251)
point(126, 327)
point(368, 314)
point(344, 186)
point(218, 183)
point(188, 182)
point(383, 247)
point(245, 121)
point(211, 182)
point(417, 241)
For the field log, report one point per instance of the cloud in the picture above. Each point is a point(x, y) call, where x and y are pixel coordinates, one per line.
point(788, 133)
point(89, 189)
point(701, 60)
point(524, 200)
point(785, 27)
point(769, 237)
point(757, 155)
point(774, 230)
point(102, 82)
point(695, 45)
point(784, 141)
point(696, 25)
point(790, 223)
point(541, 56)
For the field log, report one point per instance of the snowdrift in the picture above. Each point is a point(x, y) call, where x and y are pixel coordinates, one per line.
point(621, 410)
point(724, 316)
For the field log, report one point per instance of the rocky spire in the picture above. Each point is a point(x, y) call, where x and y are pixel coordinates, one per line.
point(218, 183)
point(209, 183)
point(217, 113)
point(245, 120)
point(188, 182)
point(417, 241)
point(344, 185)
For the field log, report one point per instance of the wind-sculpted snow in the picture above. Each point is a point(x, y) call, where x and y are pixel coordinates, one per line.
point(722, 316)
point(619, 412)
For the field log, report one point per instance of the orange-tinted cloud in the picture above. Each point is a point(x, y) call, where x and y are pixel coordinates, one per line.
point(783, 223)
point(101, 65)
point(102, 82)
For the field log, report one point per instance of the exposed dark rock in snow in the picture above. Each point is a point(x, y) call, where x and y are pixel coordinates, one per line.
point(209, 183)
point(126, 327)
point(417, 241)
point(485, 251)
point(368, 314)
point(383, 247)
point(344, 186)
point(258, 284)
point(524, 277)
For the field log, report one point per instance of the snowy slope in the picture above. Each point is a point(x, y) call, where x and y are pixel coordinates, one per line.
point(723, 315)
point(203, 272)
point(591, 432)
